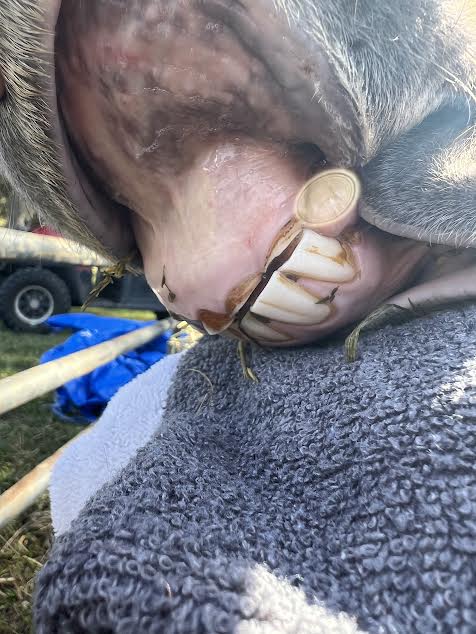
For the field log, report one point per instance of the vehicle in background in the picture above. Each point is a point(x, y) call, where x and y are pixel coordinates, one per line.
point(33, 290)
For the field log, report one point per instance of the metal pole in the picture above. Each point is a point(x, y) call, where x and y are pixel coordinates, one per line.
point(26, 491)
point(25, 386)
point(16, 245)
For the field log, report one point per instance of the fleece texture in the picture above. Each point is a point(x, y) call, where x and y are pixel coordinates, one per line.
point(329, 497)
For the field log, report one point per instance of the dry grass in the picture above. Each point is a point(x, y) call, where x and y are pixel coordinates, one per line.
point(28, 435)
point(23, 548)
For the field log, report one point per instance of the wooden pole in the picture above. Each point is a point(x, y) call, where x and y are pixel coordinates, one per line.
point(26, 491)
point(15, 245)
point(25, 386)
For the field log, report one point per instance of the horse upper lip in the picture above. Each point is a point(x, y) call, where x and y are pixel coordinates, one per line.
point(324, 112)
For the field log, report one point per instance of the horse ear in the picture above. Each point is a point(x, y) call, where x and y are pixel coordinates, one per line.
point(424, 185)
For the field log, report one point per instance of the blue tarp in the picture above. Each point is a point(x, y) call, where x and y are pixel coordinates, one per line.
point(83, 400)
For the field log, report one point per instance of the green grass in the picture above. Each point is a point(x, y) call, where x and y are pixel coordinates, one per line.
point(28, 435)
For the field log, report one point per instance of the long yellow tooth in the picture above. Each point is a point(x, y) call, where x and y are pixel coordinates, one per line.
point(256, 329)
point(284, 300)
point(320, 258)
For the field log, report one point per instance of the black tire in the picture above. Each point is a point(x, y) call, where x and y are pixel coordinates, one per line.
point(29, 296)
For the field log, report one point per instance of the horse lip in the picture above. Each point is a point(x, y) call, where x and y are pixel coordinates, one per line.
point(328, 120)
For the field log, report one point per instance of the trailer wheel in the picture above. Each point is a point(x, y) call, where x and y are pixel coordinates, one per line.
point(29, 296)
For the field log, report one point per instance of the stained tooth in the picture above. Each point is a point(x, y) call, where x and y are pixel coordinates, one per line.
point(261, 331)
point(330, 247)
point(239, 295)
point(328, 201)
point(319, 258)
point(287, 234)
point(284, 300)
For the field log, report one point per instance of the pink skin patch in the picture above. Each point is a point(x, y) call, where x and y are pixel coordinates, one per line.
point(151, 104)
point(227, 210)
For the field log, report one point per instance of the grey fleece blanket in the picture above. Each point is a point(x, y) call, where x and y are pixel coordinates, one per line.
point(330, 497)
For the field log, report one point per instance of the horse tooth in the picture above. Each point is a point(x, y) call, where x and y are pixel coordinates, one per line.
point(257, 329)
point(328, 201)
point(285, 237)
point(284, 300)
point(321, 258)
point(329, 247)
